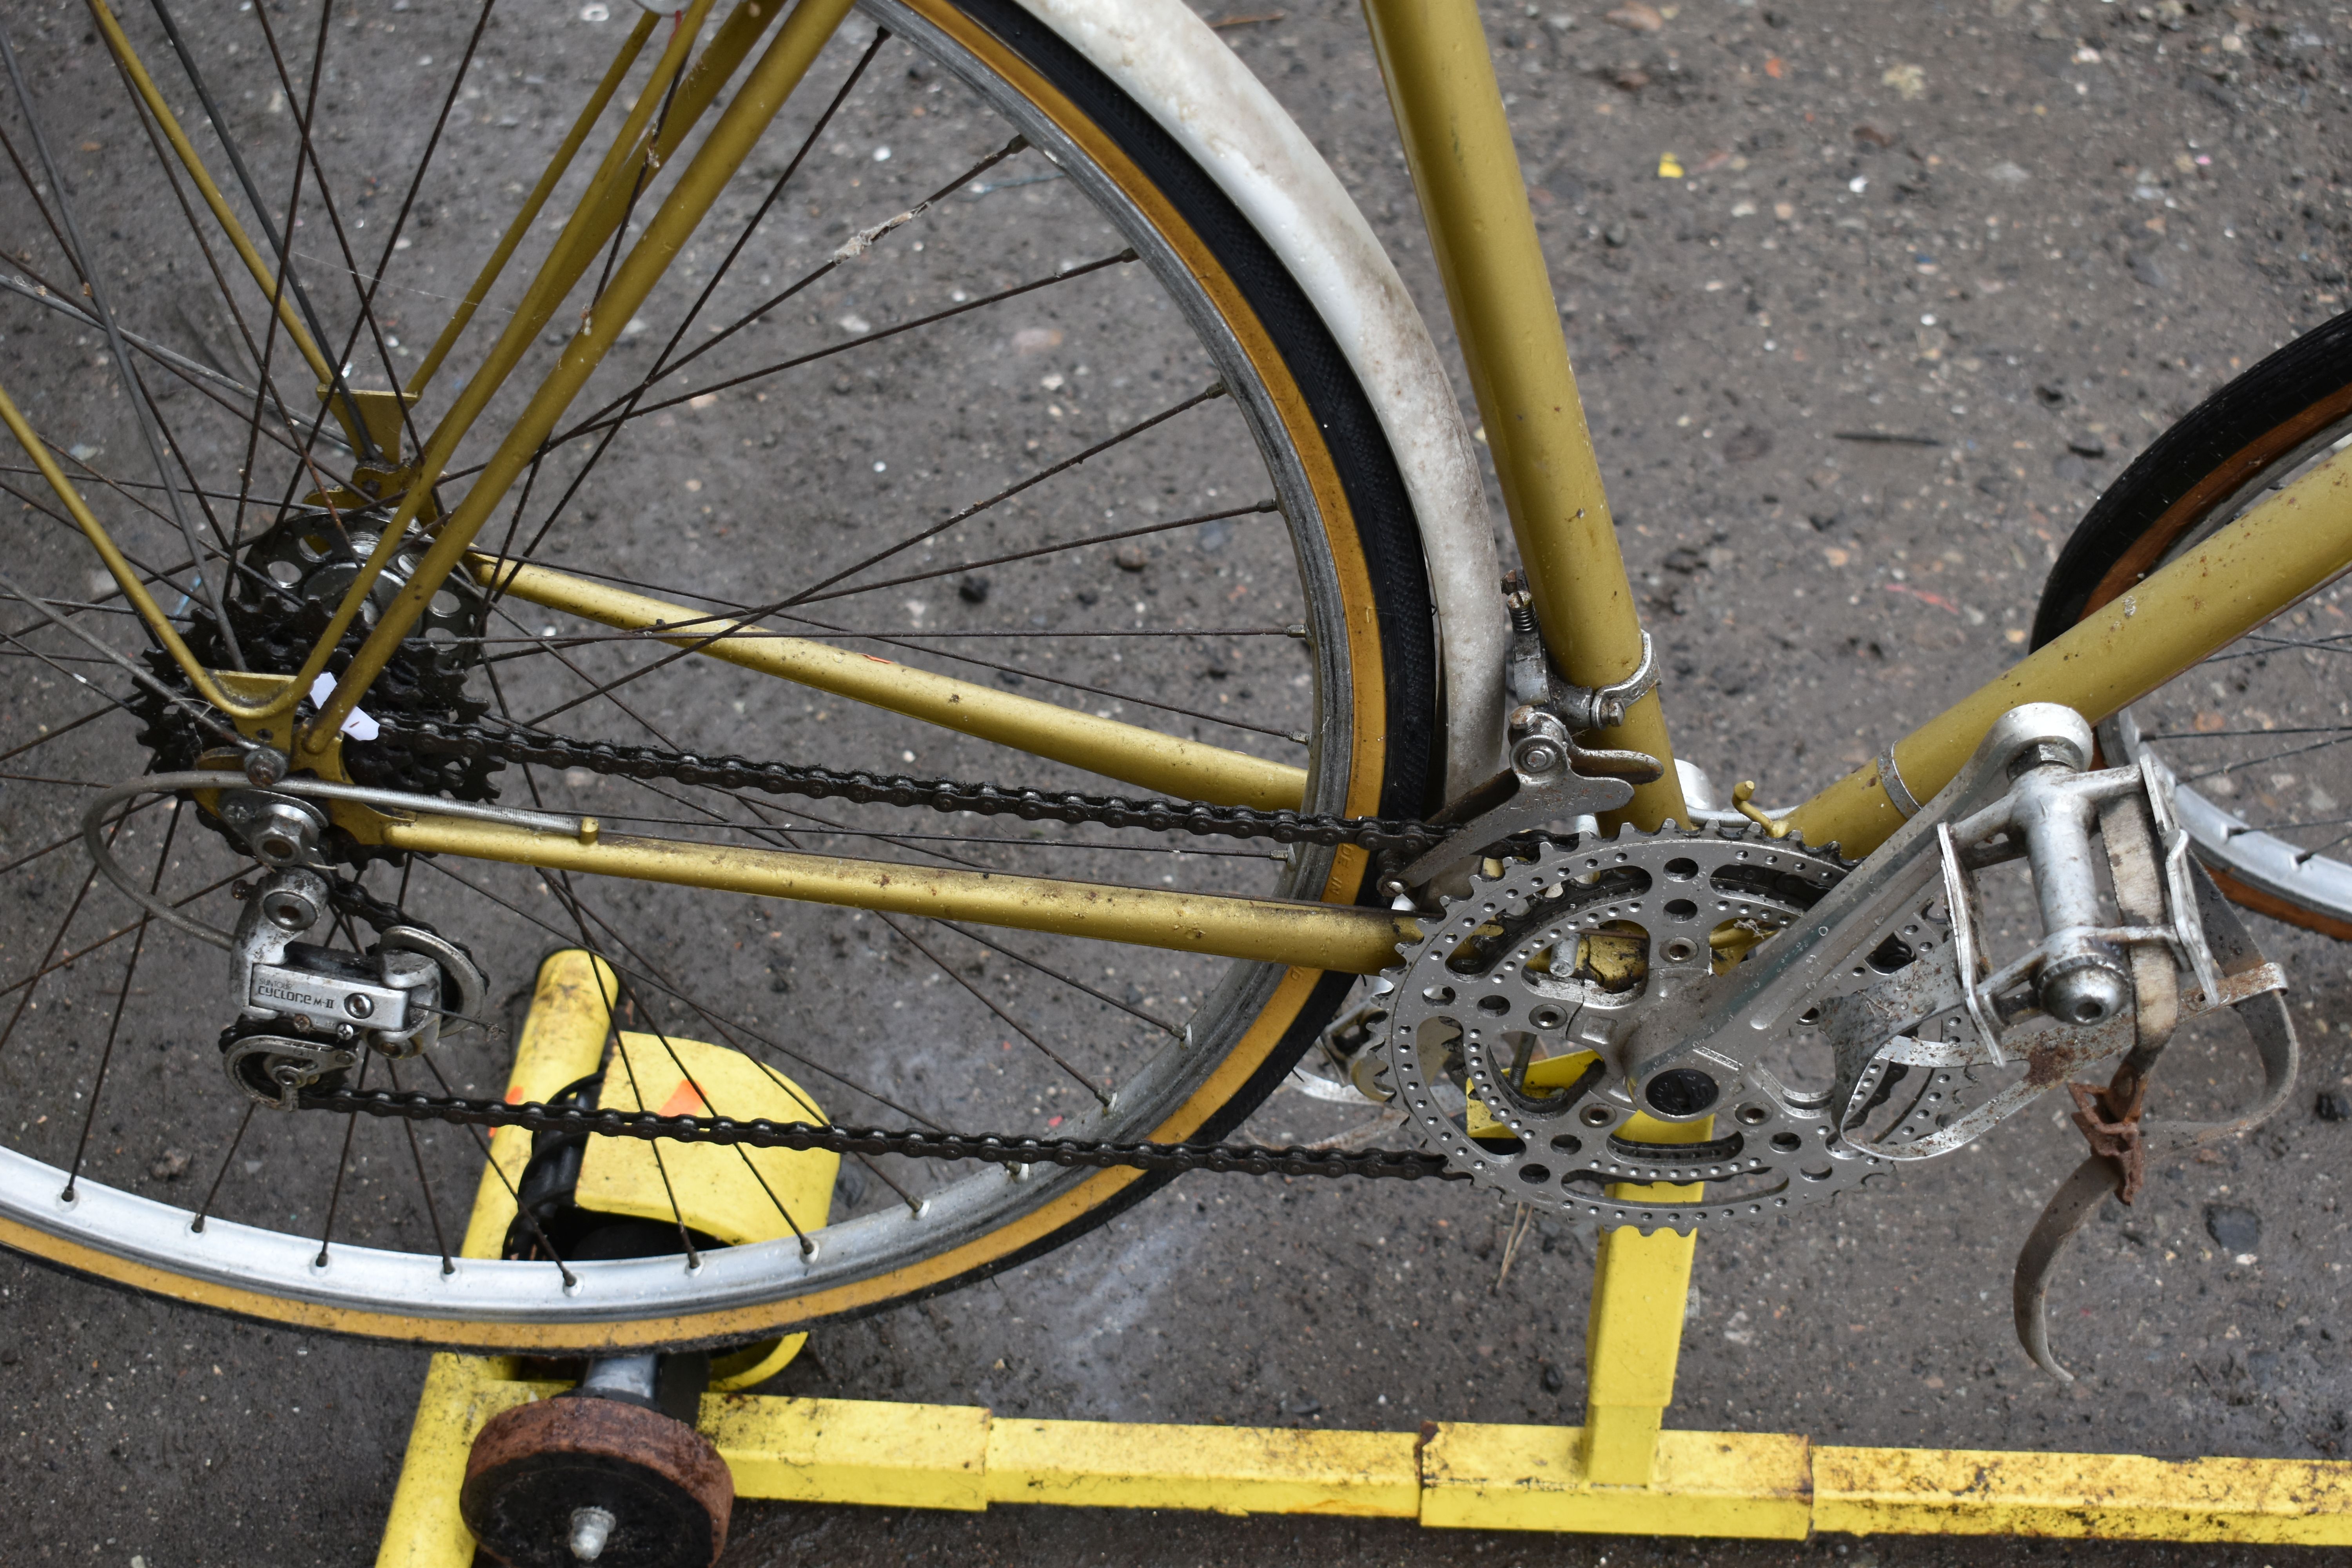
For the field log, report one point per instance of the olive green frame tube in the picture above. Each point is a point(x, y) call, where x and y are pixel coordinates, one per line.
point(1308, 936)
point(2292, 544)
point(1457, 141)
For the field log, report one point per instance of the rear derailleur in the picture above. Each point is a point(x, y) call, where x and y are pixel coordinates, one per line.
point(308, 1014)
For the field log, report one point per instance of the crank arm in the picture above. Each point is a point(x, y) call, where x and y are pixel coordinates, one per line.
point(1717, 1022)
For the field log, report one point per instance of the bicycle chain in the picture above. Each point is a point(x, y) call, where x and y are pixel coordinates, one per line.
point(521, 745)
point(1248, 1159)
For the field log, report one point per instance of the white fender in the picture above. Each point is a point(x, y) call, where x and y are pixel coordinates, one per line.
point(1170, 61)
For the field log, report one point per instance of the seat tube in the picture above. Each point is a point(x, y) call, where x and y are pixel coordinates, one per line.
point(1474, 199)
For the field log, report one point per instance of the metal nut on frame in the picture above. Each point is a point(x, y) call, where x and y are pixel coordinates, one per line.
point(264, 766)
point(1537, 754)
point(289, 909)
point(279, 831)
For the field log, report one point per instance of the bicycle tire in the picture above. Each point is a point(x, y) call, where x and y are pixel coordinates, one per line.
point(2238, 444)
point(1395, 730)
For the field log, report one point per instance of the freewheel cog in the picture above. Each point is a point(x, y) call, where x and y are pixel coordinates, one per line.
point(1505, 1021)
point(290, 581)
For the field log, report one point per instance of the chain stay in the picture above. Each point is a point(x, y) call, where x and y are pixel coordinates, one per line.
point(515, 744)
point(1245, 1159)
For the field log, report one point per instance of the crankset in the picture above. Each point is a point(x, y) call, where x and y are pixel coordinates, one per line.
point(1588, 1031)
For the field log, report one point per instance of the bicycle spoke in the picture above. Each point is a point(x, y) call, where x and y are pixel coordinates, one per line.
point(2264, 645)
point(303, 119)
point(44, 739)
point(625, 407)
point(265, 393)
point(2241, 734)
point(1007, 1019)
point(2340, 738)
point(342, 1165)
point(122, 1000)
point(967, 512)
point(523, 1212)
point(204, 1210)
point(52, 965)
point(203, 551)
point(408, 200)
point(97, 290)
point(424, 1183)
point(147, 575)
point(286, 283)
point(707, 1104)
point(118, 484)
point(33, 193)
point(57, 939)
point(1071, 980)
point(774, 191)
point(880, 334)
point(1056, 548)
point(621, 1049)
point(202, 377)
point(195, 710)
point(647, 974)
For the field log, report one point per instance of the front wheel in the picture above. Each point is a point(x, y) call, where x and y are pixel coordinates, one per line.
point(1007, 296)
point(2257, 734)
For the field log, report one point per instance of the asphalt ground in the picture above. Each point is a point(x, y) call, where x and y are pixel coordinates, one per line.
point(2105, 210)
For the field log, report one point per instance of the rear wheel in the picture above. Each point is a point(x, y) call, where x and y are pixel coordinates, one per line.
point(1246, 572)
point(2259, 735)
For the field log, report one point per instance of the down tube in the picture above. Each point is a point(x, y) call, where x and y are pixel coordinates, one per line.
point(2290, 546)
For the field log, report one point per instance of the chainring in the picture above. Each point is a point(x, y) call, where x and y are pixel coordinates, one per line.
point(1511, 977)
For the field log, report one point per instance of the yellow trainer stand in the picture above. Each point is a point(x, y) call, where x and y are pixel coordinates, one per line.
point(1622, 1472)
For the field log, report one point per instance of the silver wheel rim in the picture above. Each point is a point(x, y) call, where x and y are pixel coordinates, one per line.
point(367, 1280)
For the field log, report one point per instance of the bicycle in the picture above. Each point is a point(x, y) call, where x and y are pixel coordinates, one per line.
point(363, 654)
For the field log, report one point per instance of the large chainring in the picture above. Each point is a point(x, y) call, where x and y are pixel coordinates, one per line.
point(1555, 960)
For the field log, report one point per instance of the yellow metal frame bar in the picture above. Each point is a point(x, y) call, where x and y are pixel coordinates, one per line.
point(1459, 1475)
point(1457, 141)
point(1454, 1475)
point(2294, 543)
point(1342, 937)
point(1636, 1478)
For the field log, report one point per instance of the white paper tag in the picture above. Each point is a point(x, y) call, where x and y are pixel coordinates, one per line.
point(358, 726)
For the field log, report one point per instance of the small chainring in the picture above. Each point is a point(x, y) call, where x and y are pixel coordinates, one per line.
point(1555, 960)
